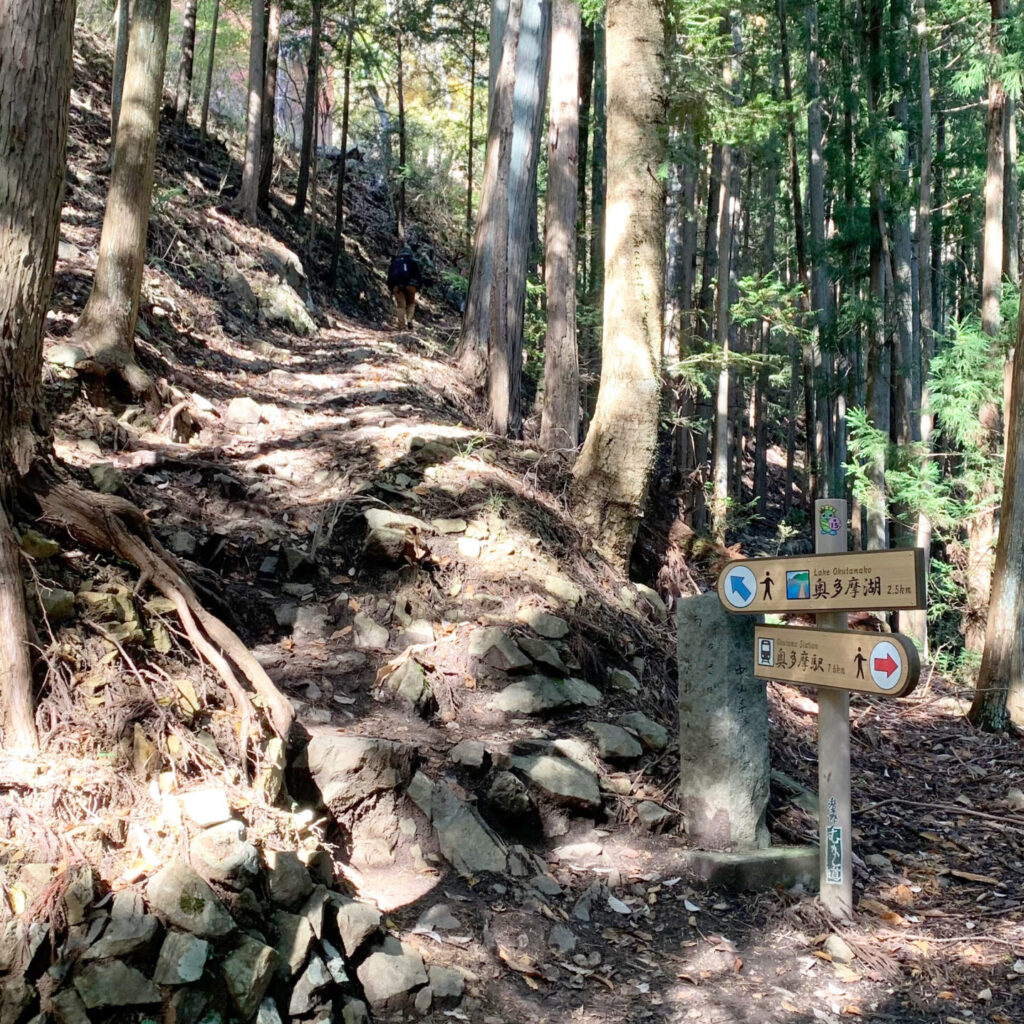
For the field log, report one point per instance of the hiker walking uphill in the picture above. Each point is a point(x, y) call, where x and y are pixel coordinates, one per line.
point(404, 279)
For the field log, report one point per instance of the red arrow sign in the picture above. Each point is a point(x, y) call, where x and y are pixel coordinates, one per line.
point(887, 665)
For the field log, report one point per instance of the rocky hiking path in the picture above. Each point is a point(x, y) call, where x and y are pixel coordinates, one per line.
point(478, 820)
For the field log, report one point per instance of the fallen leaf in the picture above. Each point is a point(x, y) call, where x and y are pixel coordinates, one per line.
point(691, 907)
point(970, 876)
point(614, 903)
point(851, 1010)
point(882, 911)
point(846, 974)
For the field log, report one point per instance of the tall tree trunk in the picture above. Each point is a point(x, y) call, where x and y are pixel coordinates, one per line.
point(35, 83)
point(999, 695)
point(269, 101)
point(586, 77)
point(917, 621)
point(120, 58)
point(614, 468)
point(185, 61)
point(248, 198)
point(720, 457)
point(339, 203)
point(1011, 196)
point(598, 165)
point(309, 110)
point(106, 328)
point(403, 170)
point(471, 142)
point(764, 348)
point(560, 418)
point(821, 296)
point(209, 68)
point(981, 530)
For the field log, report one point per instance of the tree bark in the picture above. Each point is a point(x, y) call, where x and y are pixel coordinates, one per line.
point(471, 141)
point(402, 141)
point(598, 164)
point(614, 468)
point(106, 328)
point(185, 62)
point(209, 69)
point(309, 110)
point(339, 202)
point(999, 695)
point(269, 111)
point(586, 77)
point(35, 86)
point(120, 59)
point(249, 196)
point(1011, 196)
point(560, 417)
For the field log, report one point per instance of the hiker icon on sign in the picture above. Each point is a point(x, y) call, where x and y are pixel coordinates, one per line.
point(860, 659)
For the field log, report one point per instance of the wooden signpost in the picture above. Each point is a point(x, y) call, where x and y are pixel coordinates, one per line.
point(830, 583)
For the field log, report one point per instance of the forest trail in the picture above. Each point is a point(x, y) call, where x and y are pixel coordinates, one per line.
point(407, 577)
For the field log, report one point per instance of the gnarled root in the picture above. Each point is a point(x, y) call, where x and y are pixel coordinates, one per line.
point(108, 522)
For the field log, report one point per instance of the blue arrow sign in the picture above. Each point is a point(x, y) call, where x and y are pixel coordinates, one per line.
point(739, 587)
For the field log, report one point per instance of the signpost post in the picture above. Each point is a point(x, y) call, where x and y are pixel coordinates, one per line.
point(830, 583)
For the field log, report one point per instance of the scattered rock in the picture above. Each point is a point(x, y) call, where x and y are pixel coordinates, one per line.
point(622, 680)
point(57, 604)
point(409, 681)
point(238, 287)
point(652, 815)
point(78, 894)
point(652, 735)
point(180, 895)
point(544, 654)
point(182, 543)
point(797, 794)
point(123, 936)
point(243, 412)
point(350, 769)
point(508, 796)
point(564, 589)
point(445, 983)
point(423, 1002)
point(491, 646)
point(368, 635)
point(314, 908)
point(653, 598)
point(354, 1011)
point(562, 938)
point(16, 995)
point(205, 806)
point(286, 266)
point(182, 959)
point(38, 545)
point(449, 525)
point(468, 754)
point(335, 964)
point(417, 631)
point(562, 780)
point(390, 973)
point(438, 918)
point(839, 949)
point(614, 743)
point(537, 694)
point(542, 623)
point(68, 1007)
point(385, 544)
point(268, 1013)
point(313, 979)
point(112, 983)
point(384, 518)
point(294, 937)
point(880, 861)
point(248, 971)
point(297, 563)
point(465, 840)
point(357, 922)
point(106, 478)
point(68, 356)
point(288, 881)
point(280, 304)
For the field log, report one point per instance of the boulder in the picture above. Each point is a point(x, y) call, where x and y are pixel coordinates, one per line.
point(123, 936)
point(390, 973)
point(354, 1011)
point(368, 635)
point(205, 807)
point(38, 545)
point(465, 840)
point(652, 735)
point(294, 937)
point(106, 477)
point(78, 894)
point(315, 978)
point(491, 646)
point(446, 984)
point(179, 894)
point(221, 854)
point(16, 996)
point(357, 922)
point(620, 679)
point(350, 769)
point(542, 623)
point(68, 1008)
point(564, 589)
point(281, 305)
point(544, 654)
point(112, 983)
point(562, 780)
point(614, 743)
point(409, 681)
point(535, 695)
point(723, 728)
point(247, 971)
point(182, 959)
point(652, 815)
point(508, 796)
point(57, 604)
point(288, 881)
point(243, 412)
point(236, 284)
point(468, 754)
point(385, 544)
point(280, 261)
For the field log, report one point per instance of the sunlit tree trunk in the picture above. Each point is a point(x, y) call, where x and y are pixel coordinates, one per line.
point(560, 418)
point(614, 468)
point(209, 68)
point(120, 58)
point(999, 696)
point(586, 86)
point(35, 85)
point(403, 170)
point(471, 141)
point(185, 62)
point(249, 196)
point(339, 202)
point(309, 110)
point(106, 328)
point(269, 101)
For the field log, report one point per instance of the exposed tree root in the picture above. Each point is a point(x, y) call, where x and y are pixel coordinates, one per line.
point(109, 522)
point(15, 662)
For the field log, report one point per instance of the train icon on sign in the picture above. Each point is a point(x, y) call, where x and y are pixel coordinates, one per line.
point(766, 652)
